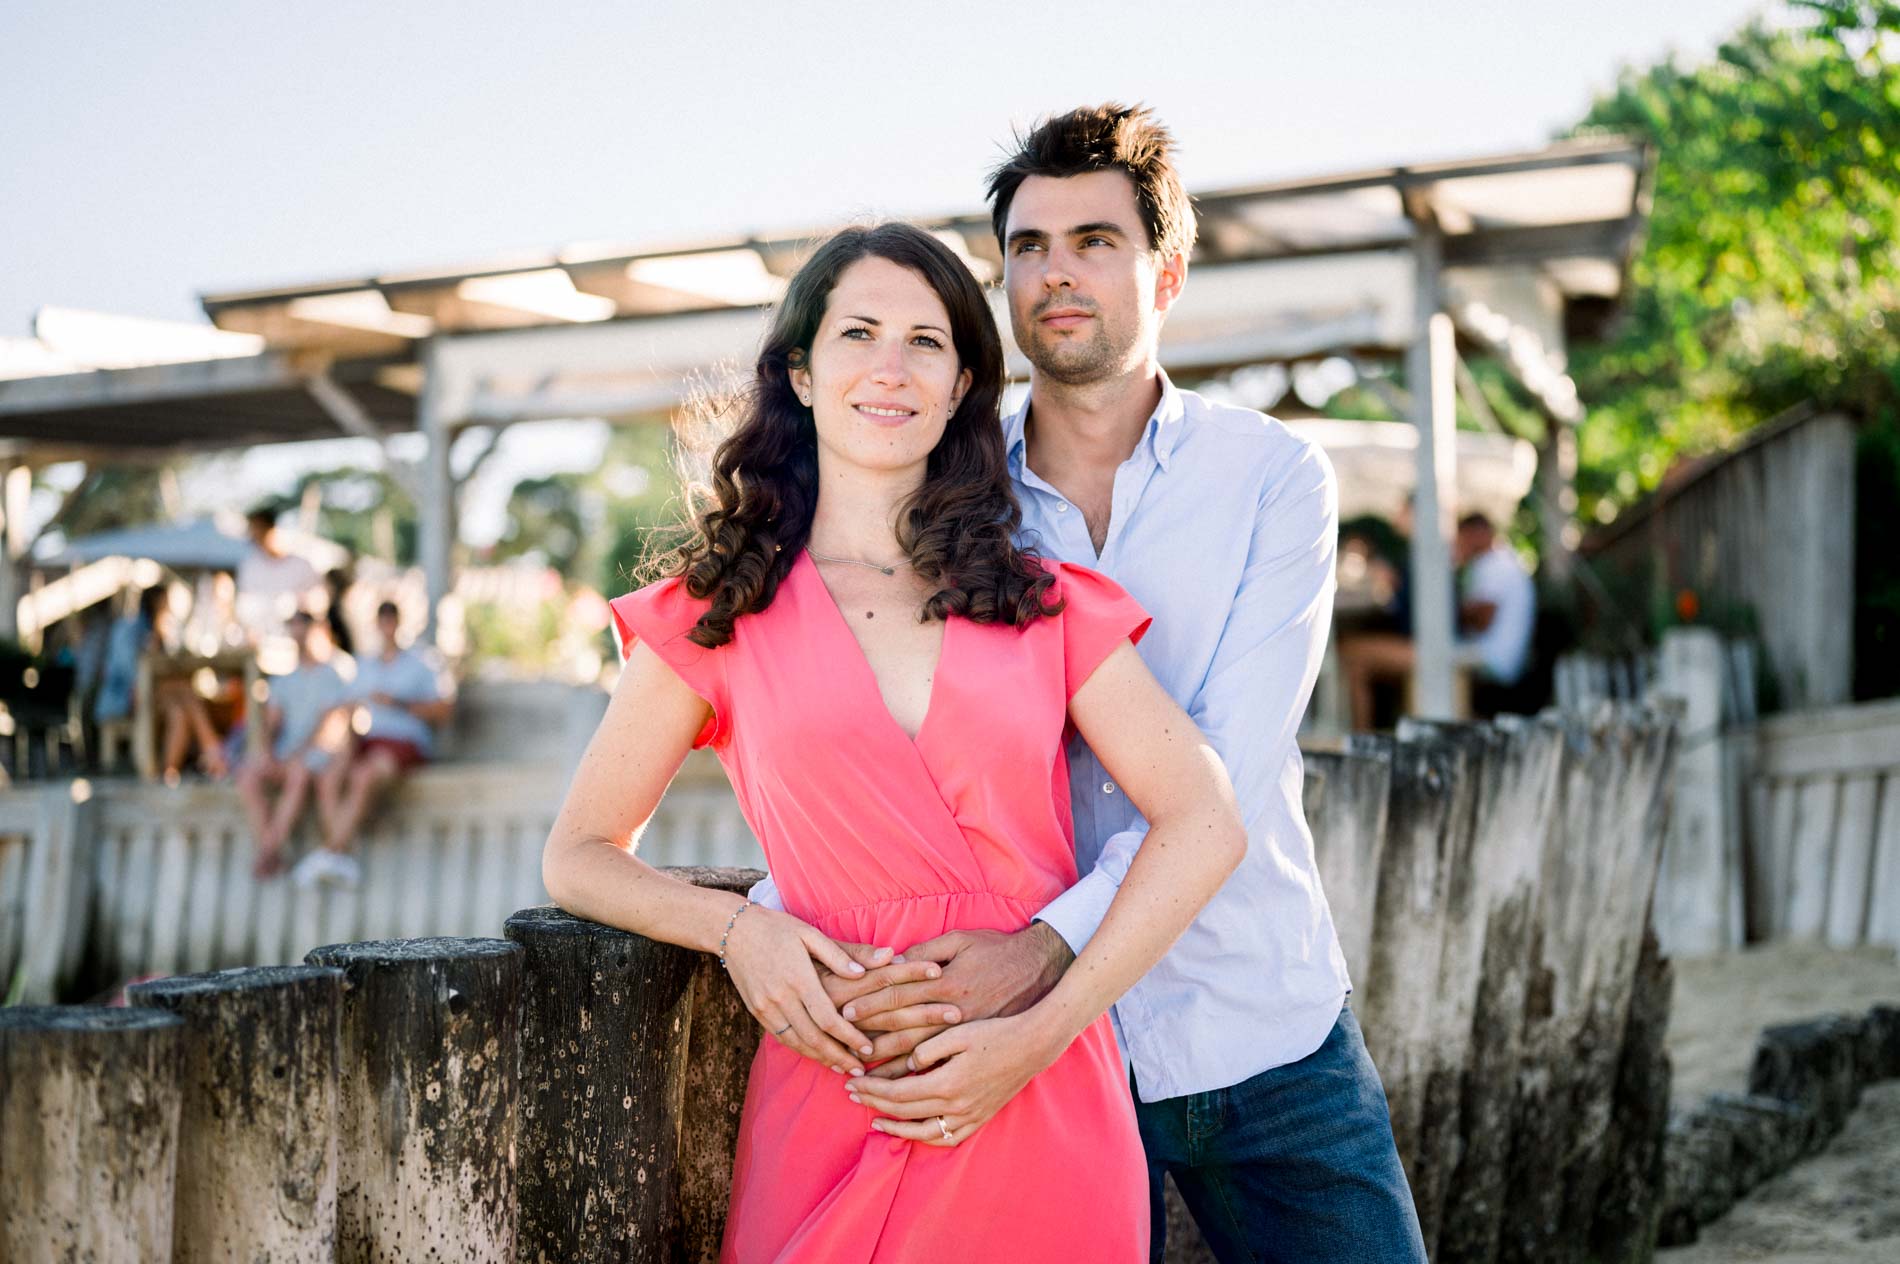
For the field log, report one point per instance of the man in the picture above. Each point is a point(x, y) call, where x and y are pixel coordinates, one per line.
point(1497, 609)
point(272, 583)
point(301, 743)
point(401, 697)
point(1252, 1085)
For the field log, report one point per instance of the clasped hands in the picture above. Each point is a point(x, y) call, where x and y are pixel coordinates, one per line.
point(940, 1032)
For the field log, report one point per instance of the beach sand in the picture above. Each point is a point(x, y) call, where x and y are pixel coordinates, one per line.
point(1843, 1205)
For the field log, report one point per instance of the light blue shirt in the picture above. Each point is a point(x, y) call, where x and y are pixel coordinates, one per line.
point(1224, 525)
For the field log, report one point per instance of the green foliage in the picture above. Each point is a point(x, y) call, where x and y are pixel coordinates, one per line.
point(1770, 273)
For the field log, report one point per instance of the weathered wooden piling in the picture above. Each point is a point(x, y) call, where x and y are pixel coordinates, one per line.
point(1345, 802)
point(430, 1036)
point(1510, 771)
point(89, 1102)
point(606, 1025)
point(258, 1080)
point(1397, 1008)
point(718, 1065)
point(1631, 1198)
point(1598, 868)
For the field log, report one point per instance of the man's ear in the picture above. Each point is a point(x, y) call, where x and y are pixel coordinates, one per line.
point(1170, 280)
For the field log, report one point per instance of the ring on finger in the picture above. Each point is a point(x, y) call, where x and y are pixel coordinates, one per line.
point(781, 1031)
point(944, 1128)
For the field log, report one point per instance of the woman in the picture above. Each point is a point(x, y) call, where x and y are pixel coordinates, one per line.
point(887, 680)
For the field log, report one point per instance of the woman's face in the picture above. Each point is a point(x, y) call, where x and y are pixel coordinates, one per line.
point(882, 379)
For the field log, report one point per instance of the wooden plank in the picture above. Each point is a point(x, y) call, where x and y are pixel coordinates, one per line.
point(167, 900)
point(270, 915)
point(1834, 739)
point(133, 900)
point(306, 911)
point(201, 907)
point(103, 934)
point(1812, 858)
point(12, 897)
point(1883, 906)
point(1851, 876)
point(237, 899)
point(381, 874)
point(419, 869)
point(1783, 817)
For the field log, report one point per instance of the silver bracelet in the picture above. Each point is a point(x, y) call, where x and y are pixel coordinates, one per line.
point(729, 921)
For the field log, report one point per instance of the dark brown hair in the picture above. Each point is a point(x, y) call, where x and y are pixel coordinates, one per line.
point(1108, 137)
point(753, 515)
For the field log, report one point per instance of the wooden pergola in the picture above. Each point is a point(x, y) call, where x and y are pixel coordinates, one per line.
point(1510, 255)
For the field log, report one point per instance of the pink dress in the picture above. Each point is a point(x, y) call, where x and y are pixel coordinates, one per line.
point(877, 838)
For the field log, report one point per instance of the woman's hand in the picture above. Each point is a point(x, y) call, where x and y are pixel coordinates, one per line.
point(962, 1078)
point(773, 959)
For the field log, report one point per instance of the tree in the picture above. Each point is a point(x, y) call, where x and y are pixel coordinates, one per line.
point(1770, 275)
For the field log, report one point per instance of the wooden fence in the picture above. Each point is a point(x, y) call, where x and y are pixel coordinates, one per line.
point(1491, 885)
point(1784, 828)
point(138, 879)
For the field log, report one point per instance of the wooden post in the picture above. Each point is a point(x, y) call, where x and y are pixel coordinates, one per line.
point(1524, 785)
point(88, 1133)
point(1630, 1206)
point(436, 505)
point(1699, 886)
point(257, 1133)
point(1345, 801)
point(1430, 377)
point(718, 1066)
point(606, 1023)
point(1399, 993)
point(430, 1036)
point(16, 488)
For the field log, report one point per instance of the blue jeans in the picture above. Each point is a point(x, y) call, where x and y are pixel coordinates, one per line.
point(1296, 1164)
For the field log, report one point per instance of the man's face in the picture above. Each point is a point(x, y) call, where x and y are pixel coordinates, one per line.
point(386, 623)
point(1086, 290)
point(1468, 543)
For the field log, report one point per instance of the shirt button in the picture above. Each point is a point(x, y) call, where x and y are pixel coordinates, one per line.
point(1062, 506)
point(1108, 787)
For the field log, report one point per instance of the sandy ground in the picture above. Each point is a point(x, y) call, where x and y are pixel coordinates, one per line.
point(1843, 1205)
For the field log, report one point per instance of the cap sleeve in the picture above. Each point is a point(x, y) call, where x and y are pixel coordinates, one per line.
point(1097, 615)
point(661, 615)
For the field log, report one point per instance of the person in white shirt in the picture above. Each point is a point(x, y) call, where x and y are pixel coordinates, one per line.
point(301, 743)
point(1497, 608)
point(401, 697)
point(273, 584)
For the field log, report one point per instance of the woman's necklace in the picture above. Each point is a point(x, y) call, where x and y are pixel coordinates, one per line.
point(852, 561)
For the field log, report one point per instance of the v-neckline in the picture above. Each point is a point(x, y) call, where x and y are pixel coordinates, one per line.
point(864, 663)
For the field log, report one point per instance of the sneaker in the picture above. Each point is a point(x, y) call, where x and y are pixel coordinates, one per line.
point(330, 868)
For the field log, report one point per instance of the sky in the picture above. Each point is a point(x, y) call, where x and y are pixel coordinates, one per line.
point(150, 153)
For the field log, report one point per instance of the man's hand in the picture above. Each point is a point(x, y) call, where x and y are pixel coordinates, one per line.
point(985, 974)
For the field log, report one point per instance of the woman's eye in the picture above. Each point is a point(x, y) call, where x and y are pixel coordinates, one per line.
point(857, 331)
point(928, 341)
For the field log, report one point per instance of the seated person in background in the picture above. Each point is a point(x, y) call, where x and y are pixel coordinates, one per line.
point(183, 721)
point(302, 722)
point(1382, 653)
point(1497, 607)
point(401, 696)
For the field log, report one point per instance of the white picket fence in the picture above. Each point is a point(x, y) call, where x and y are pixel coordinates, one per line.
point(137, 879)
point(1785, 828)
point(1824, 826)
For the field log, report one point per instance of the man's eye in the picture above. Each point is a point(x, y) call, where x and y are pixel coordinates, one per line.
point(1024, 247)
point(1096, 241)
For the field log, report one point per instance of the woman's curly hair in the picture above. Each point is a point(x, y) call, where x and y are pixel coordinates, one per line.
point(748, 522)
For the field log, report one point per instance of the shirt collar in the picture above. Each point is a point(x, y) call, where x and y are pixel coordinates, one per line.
point(1161, 434)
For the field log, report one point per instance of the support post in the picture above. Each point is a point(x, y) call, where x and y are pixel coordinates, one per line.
point(260, 1053)
point(429, 1088)
point(1557, 500)
point(16, 486)
point(435, 506)
point(88, 1133)
point(1431, 378)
